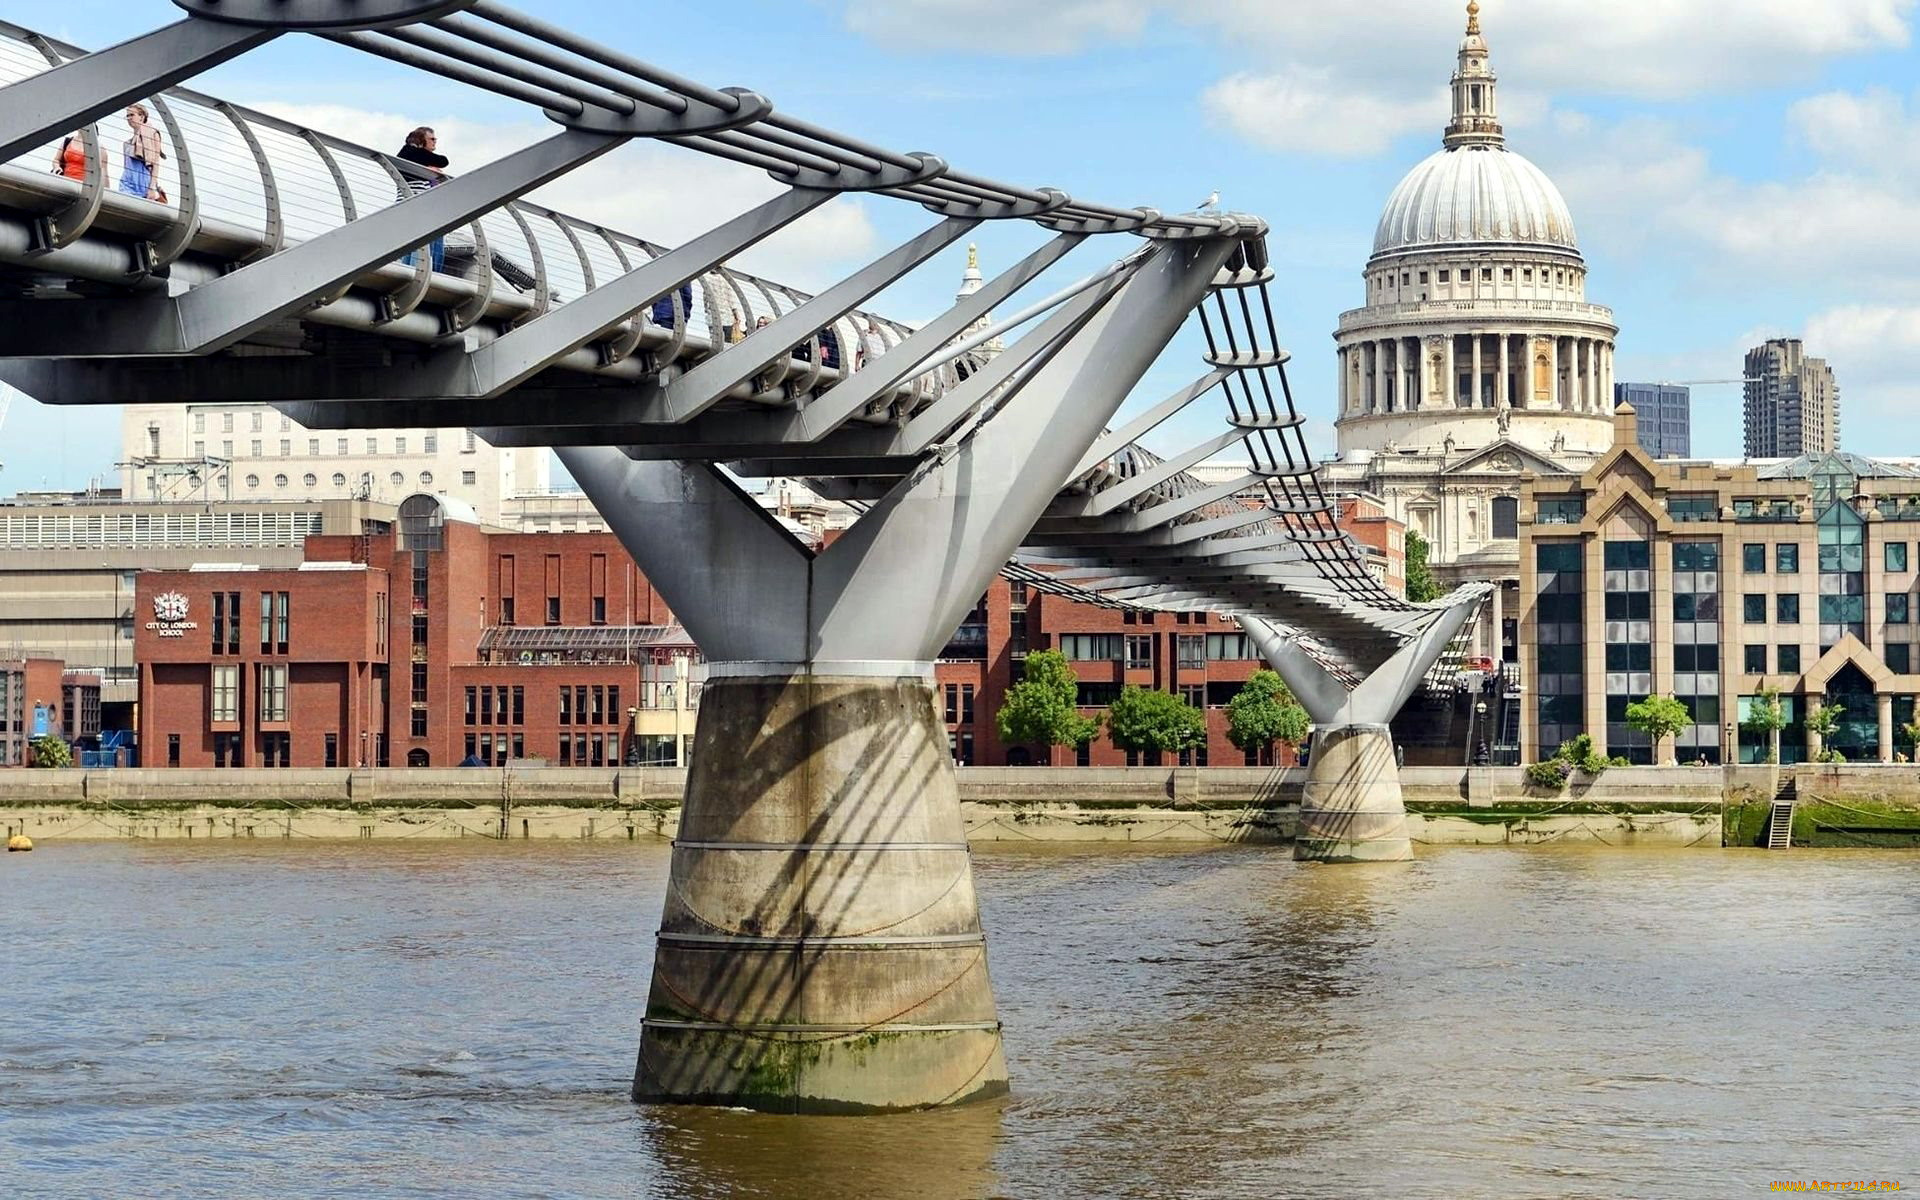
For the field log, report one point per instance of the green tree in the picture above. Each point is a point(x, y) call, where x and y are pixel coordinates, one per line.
point(1821, 722)
point(1765, 714)
point(50, 750)
point(1659, 717)
point(1152, 722)
point(1912, 730)
point(1264, 712)
point(1421, 585)
point(1041, 708)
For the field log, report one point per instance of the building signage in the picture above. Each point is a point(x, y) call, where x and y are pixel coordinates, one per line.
point(170, 616)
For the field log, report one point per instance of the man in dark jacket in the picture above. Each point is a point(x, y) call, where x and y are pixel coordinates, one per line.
point(420, 150)
point(663, 307)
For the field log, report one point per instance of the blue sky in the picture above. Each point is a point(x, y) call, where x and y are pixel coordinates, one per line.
point(1734, 171)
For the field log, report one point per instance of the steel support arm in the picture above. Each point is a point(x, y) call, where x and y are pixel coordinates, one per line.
point(78, 93)
point(699, 389)
point(530, 348)
point(931, 545)
point(1119, 439)
point(900, 363)
point(731, 574)
point(1108, 499)
point(1377, 697)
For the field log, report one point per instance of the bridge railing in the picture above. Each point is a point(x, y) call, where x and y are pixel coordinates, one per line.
point(237, 184)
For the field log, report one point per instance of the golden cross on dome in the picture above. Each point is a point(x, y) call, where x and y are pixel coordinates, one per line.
point(1473, 17)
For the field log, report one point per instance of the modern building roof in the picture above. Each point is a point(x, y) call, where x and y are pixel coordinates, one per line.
point(1857, 465)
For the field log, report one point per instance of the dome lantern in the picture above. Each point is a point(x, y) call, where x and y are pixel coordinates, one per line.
point(1476, 120)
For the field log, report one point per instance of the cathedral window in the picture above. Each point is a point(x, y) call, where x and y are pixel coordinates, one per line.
point(1444, 276)
point(1486, 274)
point(1506, 273)
point(1423, 277)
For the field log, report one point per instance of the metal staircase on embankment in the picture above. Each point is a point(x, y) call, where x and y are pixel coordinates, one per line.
point(1780, 817)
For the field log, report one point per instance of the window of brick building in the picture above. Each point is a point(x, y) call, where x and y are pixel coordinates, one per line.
point(273, 692)
point(226, 692)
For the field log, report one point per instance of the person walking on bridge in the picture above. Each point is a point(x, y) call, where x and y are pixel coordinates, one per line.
point(724, 316)
point(71, 158)
point(142, 155)
point(420, 150)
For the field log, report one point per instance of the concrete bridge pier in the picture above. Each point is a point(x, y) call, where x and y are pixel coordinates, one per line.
point(820, 948)
point(1351, 808)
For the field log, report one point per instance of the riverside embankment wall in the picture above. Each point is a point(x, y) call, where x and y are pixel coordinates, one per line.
point(1642, 805)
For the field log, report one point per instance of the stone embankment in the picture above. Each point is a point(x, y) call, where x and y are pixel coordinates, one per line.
point(1680, 806)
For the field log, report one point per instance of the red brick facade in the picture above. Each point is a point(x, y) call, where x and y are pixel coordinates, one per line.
point(443, 641)
point(379, 657)
point(1149, 655)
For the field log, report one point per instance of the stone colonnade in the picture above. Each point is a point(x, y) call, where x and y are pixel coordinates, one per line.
point(1410, 372)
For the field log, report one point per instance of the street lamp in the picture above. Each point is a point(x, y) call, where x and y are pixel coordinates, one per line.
point(1731, 750)
point(682, 668)
point(1480, 718)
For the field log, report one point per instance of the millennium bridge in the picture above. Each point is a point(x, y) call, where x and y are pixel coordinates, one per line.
point(820, 948)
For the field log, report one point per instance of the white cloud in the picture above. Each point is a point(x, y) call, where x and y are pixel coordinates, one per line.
point(1640, 190)
point(1874, 350)
point(1309, 110)
point(662, 194)
point(1875, 130)
point(1665, 50)
point(997, 26)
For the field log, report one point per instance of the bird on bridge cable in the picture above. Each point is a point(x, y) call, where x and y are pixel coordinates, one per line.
point(1212, 202)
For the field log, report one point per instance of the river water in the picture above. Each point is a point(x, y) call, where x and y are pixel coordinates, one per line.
point(373, 1019)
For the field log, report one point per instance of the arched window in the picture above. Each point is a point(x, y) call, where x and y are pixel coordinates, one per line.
point(1506, 517)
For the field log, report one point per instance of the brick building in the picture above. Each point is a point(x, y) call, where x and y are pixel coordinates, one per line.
point(31, 702)
point(441, 641)
point(1201, 656)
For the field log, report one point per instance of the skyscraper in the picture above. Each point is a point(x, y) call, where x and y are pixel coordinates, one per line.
point(1793, 404)
point(1665, 412)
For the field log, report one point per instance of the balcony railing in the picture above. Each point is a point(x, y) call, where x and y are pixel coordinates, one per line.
point(1501, 307)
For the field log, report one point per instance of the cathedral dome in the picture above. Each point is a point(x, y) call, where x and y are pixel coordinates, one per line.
point(1470, 195)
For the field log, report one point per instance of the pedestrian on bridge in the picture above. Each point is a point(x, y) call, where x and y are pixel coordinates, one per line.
point(872, 344)
point(724, 315)
point(421, 149)
point(71, 158)
point(142, 154)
